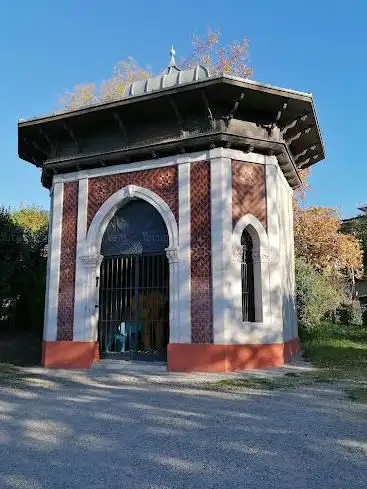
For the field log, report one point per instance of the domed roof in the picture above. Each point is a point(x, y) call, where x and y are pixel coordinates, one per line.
point(171, 77)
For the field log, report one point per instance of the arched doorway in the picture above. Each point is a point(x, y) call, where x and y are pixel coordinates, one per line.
point(134, 284)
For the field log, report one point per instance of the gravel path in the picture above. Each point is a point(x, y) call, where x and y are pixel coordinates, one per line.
point(123, 427)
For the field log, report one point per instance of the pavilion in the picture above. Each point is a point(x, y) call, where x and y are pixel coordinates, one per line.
point(171, 224)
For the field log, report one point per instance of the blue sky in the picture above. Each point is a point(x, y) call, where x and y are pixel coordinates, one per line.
point(46, 47)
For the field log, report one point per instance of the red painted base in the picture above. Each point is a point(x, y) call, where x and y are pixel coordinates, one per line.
point(69, 354)
point(224, 358)
point(182, 357)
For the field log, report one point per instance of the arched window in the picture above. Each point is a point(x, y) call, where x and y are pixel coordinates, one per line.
point(247, 277)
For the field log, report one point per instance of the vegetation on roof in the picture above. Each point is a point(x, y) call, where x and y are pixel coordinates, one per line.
point(208, 50)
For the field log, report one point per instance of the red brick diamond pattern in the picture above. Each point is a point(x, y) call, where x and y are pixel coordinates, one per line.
point(201, 271)
point(248, 191)
point(65, 315)
point(162, 181)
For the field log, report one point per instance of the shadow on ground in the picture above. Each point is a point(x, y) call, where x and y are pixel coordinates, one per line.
point(20, 348)
point(131, 428)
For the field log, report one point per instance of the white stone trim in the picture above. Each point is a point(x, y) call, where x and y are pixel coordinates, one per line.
point(261, 269)
point(238, 155)
point(286, 260)
point(221, 232)
point(90, 258)
point(233, 154)
point(258, 333)
point(79, 330)
point(272, 161)
point(47, 294)
point(53, 263)
point(272, 212)
point(294, 328)
point(184, 201)
point(243, 223)
point(133, 167)
point(117, 200)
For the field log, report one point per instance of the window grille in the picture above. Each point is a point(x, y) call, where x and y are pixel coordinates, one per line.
point(247, 277)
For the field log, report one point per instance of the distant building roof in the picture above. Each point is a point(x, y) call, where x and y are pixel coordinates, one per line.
point(362, 207)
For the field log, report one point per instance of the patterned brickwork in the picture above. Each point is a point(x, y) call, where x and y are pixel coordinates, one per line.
point(201, 271)
point(65, 315)
point(162, 181)
point(248, 191)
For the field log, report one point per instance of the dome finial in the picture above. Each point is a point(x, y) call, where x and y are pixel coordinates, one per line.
point(172, 53)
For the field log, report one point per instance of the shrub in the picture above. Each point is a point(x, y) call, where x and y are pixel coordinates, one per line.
point(351, 313)
point(316, 296)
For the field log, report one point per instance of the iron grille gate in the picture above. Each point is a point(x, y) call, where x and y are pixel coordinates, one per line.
point(133, 307)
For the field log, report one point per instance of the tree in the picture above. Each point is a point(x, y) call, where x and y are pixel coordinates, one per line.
point(32, 219)
point(231, 58)
point(327, 261)
point(319, 238)
point(12, 254)
point(81, 95)
point(33, 224)
point(319, 241)
point(316, 295)
point(23, 255)
point(124, 73)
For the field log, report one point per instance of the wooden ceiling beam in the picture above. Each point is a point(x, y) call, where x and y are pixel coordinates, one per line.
point(177, 115)
point(309, 160)
point(43, 133)
point(121, 125)
point(296, 136)
point(35, 145)
point(293, 124)
point(72, 135)
point(298, 157)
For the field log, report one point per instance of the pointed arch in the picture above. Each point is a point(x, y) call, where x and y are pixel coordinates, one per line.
point(90, 257)
point(118, 199)
point(255, 229)
point(259, 265)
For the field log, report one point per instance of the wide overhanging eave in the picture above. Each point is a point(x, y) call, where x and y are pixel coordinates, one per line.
point(292, 112)
point(214, 80)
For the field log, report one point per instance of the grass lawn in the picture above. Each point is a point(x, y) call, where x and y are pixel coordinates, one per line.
point(339, 352)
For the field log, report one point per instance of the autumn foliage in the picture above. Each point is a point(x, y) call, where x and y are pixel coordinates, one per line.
point(319, 241)
point(31, 219)
point(231, 58)
point(327, 261)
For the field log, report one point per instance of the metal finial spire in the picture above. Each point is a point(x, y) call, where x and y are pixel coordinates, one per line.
point(172, 53)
